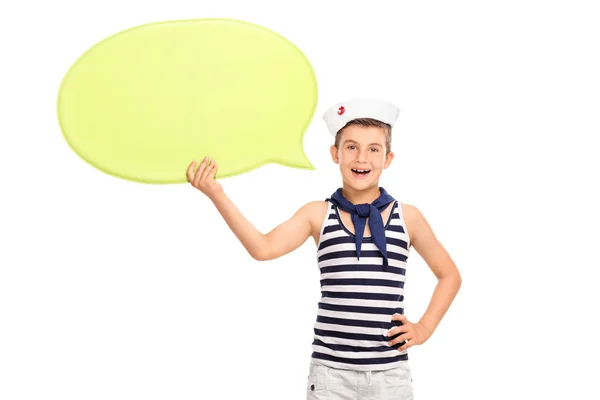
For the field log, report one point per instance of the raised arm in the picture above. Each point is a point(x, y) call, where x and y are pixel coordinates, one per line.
point(282, 240)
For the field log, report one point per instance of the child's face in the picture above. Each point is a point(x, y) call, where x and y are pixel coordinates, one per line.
point(361, 148)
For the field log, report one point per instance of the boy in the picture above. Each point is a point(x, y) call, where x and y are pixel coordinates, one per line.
point(363, 236)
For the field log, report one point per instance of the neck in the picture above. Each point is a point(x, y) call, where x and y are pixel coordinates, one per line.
point(354, 196)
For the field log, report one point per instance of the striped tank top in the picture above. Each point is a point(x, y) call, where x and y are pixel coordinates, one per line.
point(359, 297)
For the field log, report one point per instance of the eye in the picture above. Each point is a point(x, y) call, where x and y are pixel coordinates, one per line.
point(374, 149)
point(351, 147)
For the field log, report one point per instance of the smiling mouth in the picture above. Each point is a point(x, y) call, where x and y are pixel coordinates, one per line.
point(361, 172)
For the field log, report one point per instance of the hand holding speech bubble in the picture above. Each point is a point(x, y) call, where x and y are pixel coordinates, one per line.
point(145, 102)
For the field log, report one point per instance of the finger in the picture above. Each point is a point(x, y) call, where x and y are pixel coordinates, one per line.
point(200, 171)
point(213, 171)
point(190, 171)
point(209, 167)
point(407, 345)
point(398, 329)
point(399, 317)
point(400, 339)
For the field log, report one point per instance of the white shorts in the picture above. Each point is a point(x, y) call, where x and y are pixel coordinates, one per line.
point(326, 383)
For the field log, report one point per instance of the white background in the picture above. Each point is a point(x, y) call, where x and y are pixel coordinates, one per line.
point(115, 290)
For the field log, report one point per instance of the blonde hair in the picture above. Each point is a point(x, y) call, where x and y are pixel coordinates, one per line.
point(368, 122)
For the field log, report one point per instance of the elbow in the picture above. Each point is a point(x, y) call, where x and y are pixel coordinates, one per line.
point(257, 256)
point(260, 255)
point(261, 251)
point(454, 279)
point(457, 279)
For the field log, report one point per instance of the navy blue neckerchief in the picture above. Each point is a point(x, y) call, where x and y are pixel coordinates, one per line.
point(359, 214)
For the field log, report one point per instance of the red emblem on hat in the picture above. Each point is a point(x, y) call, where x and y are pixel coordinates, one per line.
point(341, 110)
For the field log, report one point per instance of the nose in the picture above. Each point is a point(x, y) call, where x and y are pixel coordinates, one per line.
point(362, 156)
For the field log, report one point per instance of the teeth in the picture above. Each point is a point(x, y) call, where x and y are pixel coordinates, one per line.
point(361, 170)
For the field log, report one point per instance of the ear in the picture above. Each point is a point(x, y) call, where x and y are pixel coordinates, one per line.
point(334, 154)
point(388, 159)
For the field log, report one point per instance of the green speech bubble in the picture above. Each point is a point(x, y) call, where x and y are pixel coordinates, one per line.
point(143, 103)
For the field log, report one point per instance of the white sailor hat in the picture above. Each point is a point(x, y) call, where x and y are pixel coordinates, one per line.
point(338, 115)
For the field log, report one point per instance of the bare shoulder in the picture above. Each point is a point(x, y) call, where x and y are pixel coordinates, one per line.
point(421, 234)
point(410, 212)
point(425, 242)
point(415, 221)
point(315, 212)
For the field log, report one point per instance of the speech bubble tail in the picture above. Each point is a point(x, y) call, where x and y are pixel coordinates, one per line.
point(295, 158)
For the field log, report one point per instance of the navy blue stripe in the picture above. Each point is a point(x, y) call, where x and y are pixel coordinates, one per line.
point(361, 309)
point(355, 322)
point(397, 242)
point(332, 216)
point(358, 336)
point(396, 256)
point(351, 336)
point(332, 228)
point(395, 216)
point(350, 240)
point(396, 228)
point(363, 253)
point(364, 296)
point(354, 349)
point(337, 240)
point(333, 241)
point(361, 267)
point(361, 361)
point(362, 282)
